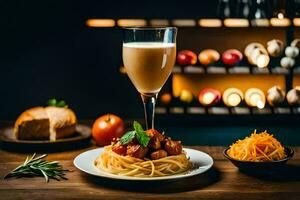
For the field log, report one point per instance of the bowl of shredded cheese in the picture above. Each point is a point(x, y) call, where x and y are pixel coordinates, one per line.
point(258, 152)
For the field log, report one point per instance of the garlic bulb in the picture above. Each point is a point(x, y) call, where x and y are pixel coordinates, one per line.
point(275, 95)
point(287, 62)
point(293, 96)
point(292, 52)
point(275, 47)
point(296, 43)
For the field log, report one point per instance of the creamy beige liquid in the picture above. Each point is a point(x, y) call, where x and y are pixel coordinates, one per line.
point(149, 64)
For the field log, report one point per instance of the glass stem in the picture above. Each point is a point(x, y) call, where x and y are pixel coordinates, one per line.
point(149, 101)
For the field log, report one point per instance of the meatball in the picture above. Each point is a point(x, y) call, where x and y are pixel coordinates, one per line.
point(119, 148)
point(154, 143)
point(173, 147)
point(154, 133)
point(136, 150)
point(155, 139)
point(158, 154)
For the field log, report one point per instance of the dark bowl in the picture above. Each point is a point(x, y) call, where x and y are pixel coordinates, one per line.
point(260, 167)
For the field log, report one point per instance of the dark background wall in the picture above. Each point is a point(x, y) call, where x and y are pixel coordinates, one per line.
point(47, 51)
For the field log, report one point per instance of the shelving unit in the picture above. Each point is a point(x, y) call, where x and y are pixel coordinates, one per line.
point(197, 39)
point(234, 70)
point(203, 22)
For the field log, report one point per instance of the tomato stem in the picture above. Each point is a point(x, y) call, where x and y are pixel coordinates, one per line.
point(108, 118)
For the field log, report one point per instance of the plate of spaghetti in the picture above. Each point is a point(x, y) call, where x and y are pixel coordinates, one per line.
point(258, 152)
point(144, 155)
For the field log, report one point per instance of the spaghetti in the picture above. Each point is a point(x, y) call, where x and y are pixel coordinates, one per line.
point(257, 148)
point(114, 163)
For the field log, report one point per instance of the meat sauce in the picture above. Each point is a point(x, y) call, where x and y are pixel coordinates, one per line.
point(159, 147)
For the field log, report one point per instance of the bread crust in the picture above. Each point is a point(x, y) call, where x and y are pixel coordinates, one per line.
point(62, 122)
point(45, 123)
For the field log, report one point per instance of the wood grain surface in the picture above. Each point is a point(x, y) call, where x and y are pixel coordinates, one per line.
point(223, 181)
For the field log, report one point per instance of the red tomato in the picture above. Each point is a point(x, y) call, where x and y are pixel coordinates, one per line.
point(107, 127)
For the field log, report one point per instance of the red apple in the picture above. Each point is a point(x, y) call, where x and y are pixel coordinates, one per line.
point(231, 57)
point(186, 57)
point(209, 97)
point(208, 56)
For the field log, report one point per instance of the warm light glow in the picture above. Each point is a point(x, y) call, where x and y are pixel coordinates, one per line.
point(122, 70)
point(131, 22)
point(254, 99)
point(236, 22)
point(260, 104)
point(234, 99)
point(210, 22)
point(184, 22)
point(296, 21)
point(262, 61)
point(100, 22)
point(159, 22)
point(280, 22)
point(260, 22)
point(280, 16)
point(208, 97)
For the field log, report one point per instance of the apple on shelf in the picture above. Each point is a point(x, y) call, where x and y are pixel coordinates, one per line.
point(209, 97)
point(231, 57)
point(186, 57)
point(208, 56)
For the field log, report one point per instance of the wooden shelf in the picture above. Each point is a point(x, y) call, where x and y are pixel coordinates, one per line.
point(196, 69)
point(222, 110)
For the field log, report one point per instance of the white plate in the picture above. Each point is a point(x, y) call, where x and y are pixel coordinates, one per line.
point(85, 163)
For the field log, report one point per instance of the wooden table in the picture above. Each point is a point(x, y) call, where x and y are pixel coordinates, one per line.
point(223, 181)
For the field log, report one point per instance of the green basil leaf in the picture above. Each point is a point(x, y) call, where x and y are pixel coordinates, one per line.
point(51, 102)
point(61, 103)
point(128, 137)
point(137, 127)
point(142, 138)
point(141, 135)
point(54, 102)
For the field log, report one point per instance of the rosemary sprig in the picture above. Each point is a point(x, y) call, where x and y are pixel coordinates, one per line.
point(36, 166)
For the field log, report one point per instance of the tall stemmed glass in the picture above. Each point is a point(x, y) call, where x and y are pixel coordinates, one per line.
point(149, 55)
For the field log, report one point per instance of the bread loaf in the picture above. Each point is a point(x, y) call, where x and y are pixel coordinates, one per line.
point(49, 123)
